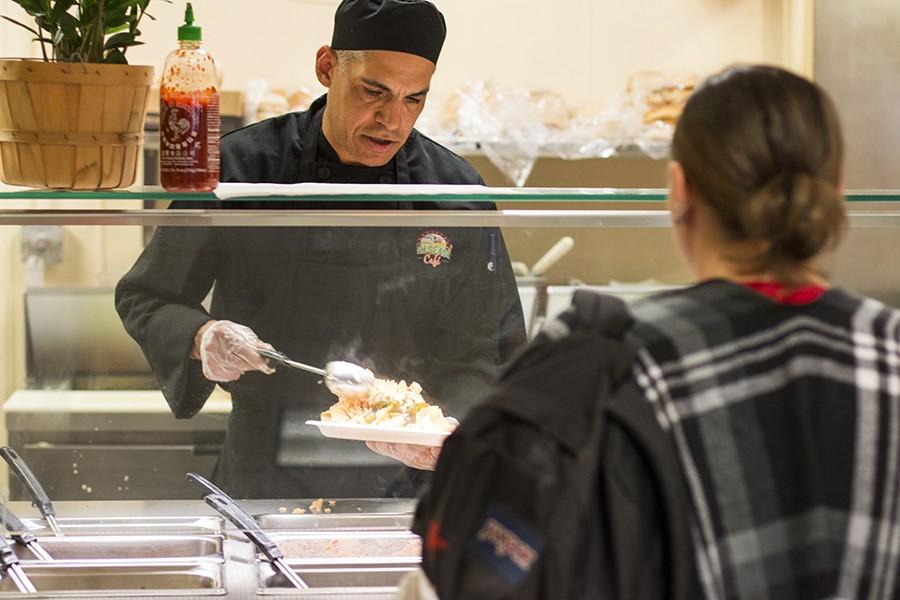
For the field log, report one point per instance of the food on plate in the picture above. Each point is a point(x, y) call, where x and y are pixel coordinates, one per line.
point(389, 403)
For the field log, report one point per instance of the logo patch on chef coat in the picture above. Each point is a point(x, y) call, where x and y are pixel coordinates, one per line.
point(434, 248)
point(506, 544)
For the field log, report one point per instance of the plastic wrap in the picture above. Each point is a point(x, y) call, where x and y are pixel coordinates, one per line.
point(507, 125)
point(261, 101)
point(514, 127)
point(654, 104)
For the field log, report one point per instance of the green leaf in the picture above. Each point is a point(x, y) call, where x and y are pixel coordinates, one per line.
point(114, 23)
point(46, 23)
point(69, 24)
point(85, 30)
point(115, 18)
point(70, 42)
point(61, 7)
point(88, 14)
point(116, 57)
point(120, 39)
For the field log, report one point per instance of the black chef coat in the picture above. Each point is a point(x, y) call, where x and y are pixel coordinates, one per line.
point(320, 294)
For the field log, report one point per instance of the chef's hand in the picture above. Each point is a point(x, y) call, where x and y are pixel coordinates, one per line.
point(227, 351)
point(411, 455)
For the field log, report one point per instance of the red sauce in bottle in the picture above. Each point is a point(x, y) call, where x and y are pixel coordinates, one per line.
point(189, 132)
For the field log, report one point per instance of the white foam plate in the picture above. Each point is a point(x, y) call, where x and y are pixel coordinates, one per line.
point(374, 433)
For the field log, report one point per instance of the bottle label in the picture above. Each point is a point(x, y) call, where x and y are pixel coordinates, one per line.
point(213, 132)
point(180, 135)
point(189, 140)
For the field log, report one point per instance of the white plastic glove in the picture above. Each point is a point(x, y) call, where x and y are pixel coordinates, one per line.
point(226, 350)
point(411, 455)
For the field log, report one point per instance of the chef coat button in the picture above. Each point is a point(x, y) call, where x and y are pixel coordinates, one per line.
point(386, 179)
point(324, 172)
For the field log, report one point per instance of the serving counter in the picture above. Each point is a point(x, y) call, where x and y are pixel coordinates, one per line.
point(80, 412)
point(182, 549)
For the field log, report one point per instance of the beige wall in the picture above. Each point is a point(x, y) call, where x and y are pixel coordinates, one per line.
point(583, 49)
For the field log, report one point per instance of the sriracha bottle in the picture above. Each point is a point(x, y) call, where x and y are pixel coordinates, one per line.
point(189, 125)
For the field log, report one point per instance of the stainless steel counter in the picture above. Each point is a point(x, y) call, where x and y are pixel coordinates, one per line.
point(157, 523)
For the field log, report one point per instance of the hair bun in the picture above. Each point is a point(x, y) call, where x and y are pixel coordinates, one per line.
point(797, 213)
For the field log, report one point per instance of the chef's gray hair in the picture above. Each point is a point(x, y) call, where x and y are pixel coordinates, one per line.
point(347, 57)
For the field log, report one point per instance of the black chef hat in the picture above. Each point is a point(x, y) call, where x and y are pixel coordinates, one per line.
point(411, 26)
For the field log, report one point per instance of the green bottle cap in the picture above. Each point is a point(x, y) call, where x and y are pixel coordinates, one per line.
point(189, 32)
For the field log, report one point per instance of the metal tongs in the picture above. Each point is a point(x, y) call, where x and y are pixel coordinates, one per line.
point(341, 378)
point(20, 534)
point(9, 563)
point(39, 497)
point(228, 508)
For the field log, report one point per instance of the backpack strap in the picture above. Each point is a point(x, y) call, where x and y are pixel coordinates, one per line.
point(631, 412)
point(609, 317)
point(588, 343)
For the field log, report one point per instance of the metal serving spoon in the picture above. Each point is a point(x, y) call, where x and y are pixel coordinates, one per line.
point(39, 497)
point(228, 508)
point(20, 533)
point(341, 378)
point(9, 565)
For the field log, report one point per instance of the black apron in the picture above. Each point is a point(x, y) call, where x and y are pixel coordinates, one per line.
point(269, 450)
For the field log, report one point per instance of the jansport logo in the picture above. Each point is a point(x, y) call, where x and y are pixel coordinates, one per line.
point(434, 248)
point(506, 544)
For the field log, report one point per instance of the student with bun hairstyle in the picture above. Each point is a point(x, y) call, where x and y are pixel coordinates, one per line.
point(776, 394)
point(755, 178)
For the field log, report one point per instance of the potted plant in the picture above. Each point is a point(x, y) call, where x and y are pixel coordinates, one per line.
point(75, 119)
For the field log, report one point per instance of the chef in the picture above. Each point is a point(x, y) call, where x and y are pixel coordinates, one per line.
point(429, 304)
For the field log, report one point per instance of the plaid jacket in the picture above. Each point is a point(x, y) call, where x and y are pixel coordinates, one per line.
point(787, 424)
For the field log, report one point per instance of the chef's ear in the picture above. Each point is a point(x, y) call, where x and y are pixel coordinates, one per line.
point(326, 61)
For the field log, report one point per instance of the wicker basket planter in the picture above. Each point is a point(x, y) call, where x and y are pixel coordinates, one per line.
point(71, 125)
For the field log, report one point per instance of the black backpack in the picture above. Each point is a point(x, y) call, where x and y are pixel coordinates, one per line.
point(514, 509)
